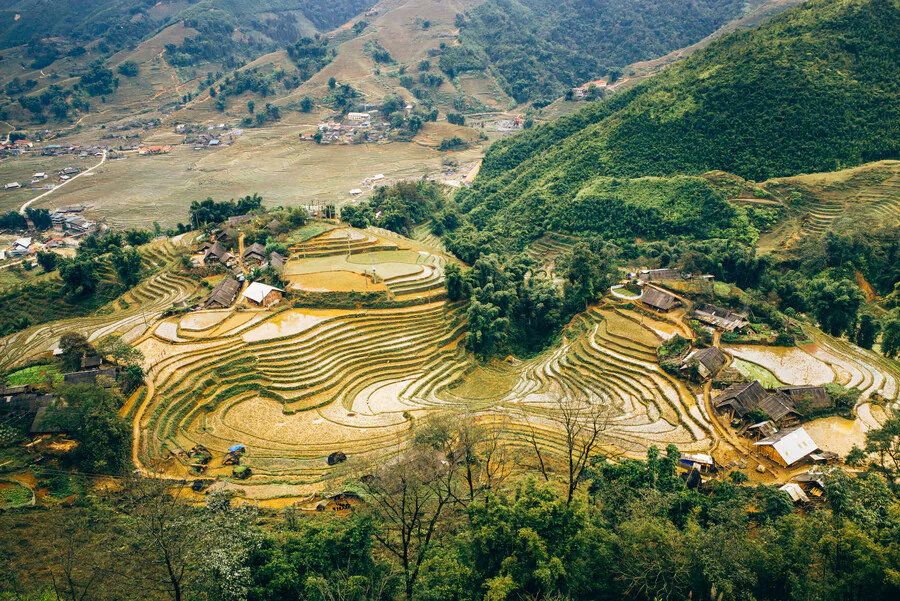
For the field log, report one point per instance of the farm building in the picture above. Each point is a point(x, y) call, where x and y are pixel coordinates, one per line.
point(12, 186)
point(709, 361)
point(795, 492)
point(743, 399)
point(105, 377)
point(787, 447)
point(239, 219)
point(255, 253)
point(217, 253)
point(228, 236)
point(223, 295)
point(659, 300)
point(720, 318)
point(262, 295)
point(277, 261)
point(660, 275)
point(807, 399)
point(359, 116)
point(699, 461)
point(92, 362)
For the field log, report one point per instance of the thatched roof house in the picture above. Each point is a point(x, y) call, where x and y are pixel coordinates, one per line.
point(223, 295)
point(255, 252)
point(660, 275)
point(106, 377)
point(215, 253)
point(709, 361)
point(277, 261)
point(720, 318)
point(659, 300)
point(807, 399)
point(743, 399)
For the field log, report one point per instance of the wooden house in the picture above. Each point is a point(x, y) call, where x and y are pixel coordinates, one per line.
point(262, 295)
point(223, 295)
point(659, 300)
point(787, 447)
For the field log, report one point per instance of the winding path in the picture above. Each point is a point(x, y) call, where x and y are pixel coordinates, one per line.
point(49, 192)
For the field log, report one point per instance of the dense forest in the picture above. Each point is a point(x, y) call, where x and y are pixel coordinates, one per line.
point(815, 89)
point(541, 47)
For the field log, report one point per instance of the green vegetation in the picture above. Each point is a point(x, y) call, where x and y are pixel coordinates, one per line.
point(34, 376)
point(541, 47)
point(437, 524)
point(814, 89)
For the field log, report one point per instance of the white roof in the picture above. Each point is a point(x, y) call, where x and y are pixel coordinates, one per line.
point(379, 176)
point(41, 175)
point(794, 492)
point(23, 242)
point(792, 446)
point(355, 191)
point(257, 291)
point(698, 458)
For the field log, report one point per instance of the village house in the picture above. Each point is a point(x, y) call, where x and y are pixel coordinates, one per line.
point(744, 399)
point(223, 295)
point(217, 253)
point(581, 92)
point(12, 186)
point(807, 399)
point(720, 318)
point(359, 116)
point(709, 361)
point(105, 377)
point(262, 295)
point(660, 275)
point(659, 300)
point(277, 261)
point(239, 219)
point(255, 253)
point(787, 447)
point(38, 177)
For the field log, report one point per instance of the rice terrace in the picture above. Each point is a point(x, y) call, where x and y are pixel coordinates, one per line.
point(449, 300)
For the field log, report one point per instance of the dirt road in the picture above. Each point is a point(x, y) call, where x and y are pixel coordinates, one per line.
point(49, 192)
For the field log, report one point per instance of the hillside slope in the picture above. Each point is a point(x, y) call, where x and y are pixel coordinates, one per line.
point(815, 89)
point(539, 48)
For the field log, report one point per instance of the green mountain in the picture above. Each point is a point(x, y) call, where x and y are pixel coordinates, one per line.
point(539, 48)
point(815, 89)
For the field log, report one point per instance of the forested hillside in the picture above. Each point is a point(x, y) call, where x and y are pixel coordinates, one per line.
point(120, 23)
point(541, 47)
point(815, 89)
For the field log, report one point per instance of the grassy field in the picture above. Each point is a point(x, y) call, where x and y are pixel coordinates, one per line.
point(136, 191)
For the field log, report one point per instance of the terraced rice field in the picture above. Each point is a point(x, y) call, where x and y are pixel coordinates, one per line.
point(298, 385)
point(343, 260)
point(870, 193)
point(129, 316)
point(828, 360)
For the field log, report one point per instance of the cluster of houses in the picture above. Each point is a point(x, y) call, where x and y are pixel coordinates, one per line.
point(72, 223)
point(216, 251)
point(584, 91)
point(354, 128)
point(759, 413)
point(47, 415)
point(153, 150)
point(212, 136)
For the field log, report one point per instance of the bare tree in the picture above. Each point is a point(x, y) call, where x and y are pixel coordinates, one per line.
point(582, 416)
point(165, 528)
point(76, 567)
point(408, 498)
point(476, 448)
